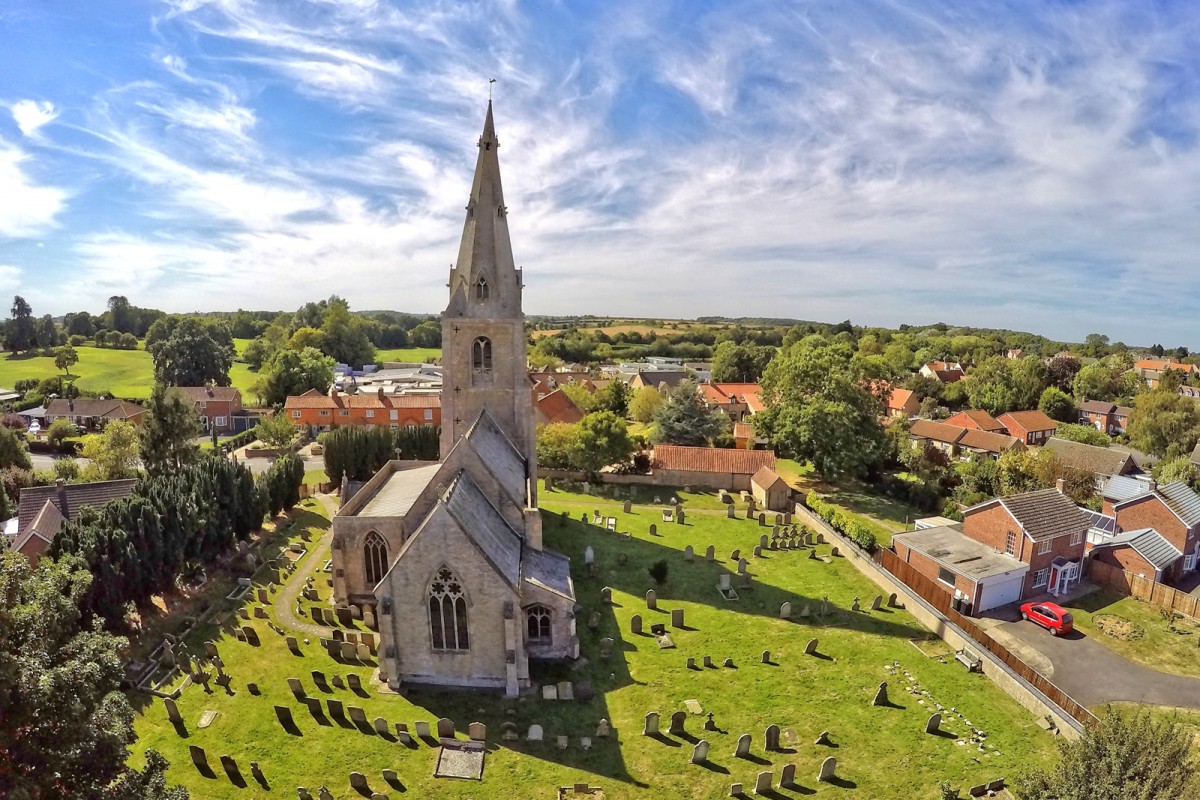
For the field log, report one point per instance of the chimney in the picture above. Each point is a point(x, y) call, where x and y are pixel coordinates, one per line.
point(379, 392)
point(1061, 486)
point(208, 387)
point(1152, 485)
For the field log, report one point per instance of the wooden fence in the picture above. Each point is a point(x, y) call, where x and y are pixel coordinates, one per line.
point(1143, 588)
point(939, 598)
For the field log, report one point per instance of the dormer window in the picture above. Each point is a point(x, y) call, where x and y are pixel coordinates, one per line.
point(481, 290)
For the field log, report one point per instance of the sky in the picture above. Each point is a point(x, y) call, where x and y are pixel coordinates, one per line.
point(1027, 165)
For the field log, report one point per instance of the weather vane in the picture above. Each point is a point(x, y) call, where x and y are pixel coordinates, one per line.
point(490, 82)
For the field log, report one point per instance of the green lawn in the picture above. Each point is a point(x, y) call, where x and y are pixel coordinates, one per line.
point(124, 373)
point(1151, 643)
point(881, 751)
point(883, 515)
point(418, 355)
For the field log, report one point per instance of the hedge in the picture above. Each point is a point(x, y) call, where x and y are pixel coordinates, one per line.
point(842, 522)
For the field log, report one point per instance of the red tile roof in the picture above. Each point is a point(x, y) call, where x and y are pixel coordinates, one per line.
point(976, 418)
point(558, 407)
point(1027, 422)
point(712, 459)
point(314, 399)
point(898, 399)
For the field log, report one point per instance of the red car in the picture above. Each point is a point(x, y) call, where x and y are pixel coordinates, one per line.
point(1050, 616)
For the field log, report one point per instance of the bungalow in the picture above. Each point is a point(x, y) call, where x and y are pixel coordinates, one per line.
point(42, 510)
point(318, 411)
point(769, 490)
point(944, 371)
point(710, 467)
point(556, 407)
point(965, 568)
point(1104, 416)
point(1032, 427)
point(1043, 529)
point(1144, 552)
point(1172, 510)
point(902, 403)
point(91, 413)
point(1100, 461)
point(976, 419)
point(956, 442)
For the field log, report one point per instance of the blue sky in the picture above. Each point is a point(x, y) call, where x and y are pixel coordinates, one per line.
point(1025, 165)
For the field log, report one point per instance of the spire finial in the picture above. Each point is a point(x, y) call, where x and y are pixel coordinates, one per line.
point(491, 81)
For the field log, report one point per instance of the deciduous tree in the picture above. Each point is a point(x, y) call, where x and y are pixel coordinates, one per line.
point(292, 372)
point(113, 452)
point(189, 352)
point(1057, 404)
point(1164, 424)
point(643, 404)
point(601, 439)
point(19, 332)
point(65, 357)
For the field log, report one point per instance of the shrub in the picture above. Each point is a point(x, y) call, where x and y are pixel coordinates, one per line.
point(658, 571)
point(76, 341)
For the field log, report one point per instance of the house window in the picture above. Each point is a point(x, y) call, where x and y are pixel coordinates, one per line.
point(393, 414)
point(481, 354)
point(343, 412)
point(324, 412)
point(428, 414)
point(1076, 538)
point(219, 422)
point(296, 414)
point(1044, 546)
point(1010, 543)
point(410, 427)
point(1041, 577)
point(945, 576)
point(481, 289)
point(537, 624)
point(447, 612)
point(370, 413)
point(375, 558)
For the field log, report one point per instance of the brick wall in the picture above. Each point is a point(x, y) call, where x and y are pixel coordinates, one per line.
point(930, 568)
point(1151, 512)
point(1125, 558)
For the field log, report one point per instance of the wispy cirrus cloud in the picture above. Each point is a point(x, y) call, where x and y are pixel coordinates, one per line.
point(27, 207)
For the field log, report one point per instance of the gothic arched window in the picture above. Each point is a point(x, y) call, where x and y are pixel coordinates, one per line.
point(537, 624)
point(375, 558)
point(481, 289)
point(481, 354)
point(447, 612)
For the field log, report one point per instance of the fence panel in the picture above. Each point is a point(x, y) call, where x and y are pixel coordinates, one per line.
point(1143, 588)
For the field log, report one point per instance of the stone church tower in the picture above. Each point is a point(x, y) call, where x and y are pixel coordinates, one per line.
point(446, 558)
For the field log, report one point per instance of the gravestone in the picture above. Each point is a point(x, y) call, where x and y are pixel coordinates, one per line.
point(303, 794)
point(368, 639)
point(357, 715)
point(679, 517)
point(589, 556)
point(742, 564)
point(535, 734)
point(260, 612)
point(812, 554)
point(708, 662)
point(823, 739)
point(743, 746)
point(787, 778)
point(421, 727)
point(602, 730)
point(785, 610)
point(735, 790)
point(349, 650)
point(252, 688)
point(676, 617)
point(651, 727)
point(362, 652)
point(771, 738)
point(735, 556)
point(318, 615)
point(594, 620)
point(766, 657)
point(710, 553)
point(820, 538)
point(325, 794)
point(635, 623)
point(445, 729)
point(352, 637)
point(263, 597)
point(244, 612)
point(730, 512)
point(757, 551)
point(336, 709)
point(339, 636)
point(828, 769)
point(402, 734)
point(651, 599)
point(881, 698)
point(354, 682)
point(727, 663)
point(855, 606)
point(811, 647)
point(508, 731)
point(762, 520)
point(358, 782)
point(833, 551)
point(292, 644)
point(606, 595)
point(627, 507)
point(688, 553)
point(877, 602)
point(562, 742)
point(691, 662)
point(477, 731)
point(654, 528)
point(284, 714)
point(199, 757)
point(678, 721)
point(314, 706)
point(210, 650)
point(338, 683)
point(606, 647)
point(700, 752)
point(762, 782)
point(172, 710)
point(892, 600)
point(231, 767)
point(934, 724)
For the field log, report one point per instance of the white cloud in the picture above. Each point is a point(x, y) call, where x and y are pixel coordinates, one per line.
point(26, 208)
point(30, 115)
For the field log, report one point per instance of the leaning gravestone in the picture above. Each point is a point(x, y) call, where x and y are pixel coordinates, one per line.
point(743, 746)
point(892, 600)
point(296, 688)
point(828, 768)
point(811, 647)
point(700, 752)
point(284, 715)
point(358, 782)
point(881, 696)
point(934, 724)
point(199, 757)
point(172, 710)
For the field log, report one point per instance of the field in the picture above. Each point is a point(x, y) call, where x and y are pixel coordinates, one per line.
point(880, 751)
point(418, 355)
point(633, 326)
point(124, 373)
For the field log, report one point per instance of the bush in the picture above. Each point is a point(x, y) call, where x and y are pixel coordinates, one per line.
point(842, 522)
point(77, 341)
point(658, 571)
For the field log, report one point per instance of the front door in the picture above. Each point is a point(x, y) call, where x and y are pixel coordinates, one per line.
point(1055, 574)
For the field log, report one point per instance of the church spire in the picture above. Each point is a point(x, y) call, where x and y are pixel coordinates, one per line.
point(485, 281)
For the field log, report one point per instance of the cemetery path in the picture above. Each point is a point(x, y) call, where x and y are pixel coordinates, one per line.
point(1092, 674)
point(285, 605)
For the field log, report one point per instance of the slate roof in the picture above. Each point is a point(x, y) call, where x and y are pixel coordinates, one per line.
point(1097, 460)
point(1149, 544)
point(499, 455)
point(1044, 514)
point(69, 498)
point(480, 520)
point(1180, 498)
point(712, 459)
point(1122, 487)
point(549, 570)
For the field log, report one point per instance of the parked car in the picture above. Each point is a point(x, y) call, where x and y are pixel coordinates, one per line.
point(1050, 616)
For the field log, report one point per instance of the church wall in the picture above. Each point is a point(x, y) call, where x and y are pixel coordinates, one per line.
point(564, 643)
point(442, 542)
point(349, 566)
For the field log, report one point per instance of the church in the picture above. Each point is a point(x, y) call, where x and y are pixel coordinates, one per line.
point(446, 558)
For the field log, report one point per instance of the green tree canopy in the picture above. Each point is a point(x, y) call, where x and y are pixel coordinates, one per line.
point(65, 357)
point(113, 452)
point(684, 419)
point(19, 332)
point(190, 352)
point(1057, 404)
point(739, 363)
point(643, 404)
point(12, 449)
point(275, 430)
point(821, 407)
point(1164, 423)
point(345, 336)
point(294, 372)
point(601, 439)
point(614, 397)
point(556, 445)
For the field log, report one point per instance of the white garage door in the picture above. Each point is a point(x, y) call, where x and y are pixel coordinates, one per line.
point(1003, 591)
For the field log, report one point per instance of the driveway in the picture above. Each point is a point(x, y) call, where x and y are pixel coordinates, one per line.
point(1093, 675)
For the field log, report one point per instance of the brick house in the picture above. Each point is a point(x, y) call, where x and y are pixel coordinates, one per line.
point(943, 371)
point(1043, 529)
point(738, 401)
point(957, 442)
point(93, 414)
point(42, 510)
point(557, 406)
point(219, 407)
point(1100, 461)
point(1032, 427)
point(1104, 416)
point(1144, 552)
point(1173, 511)
point(902, 403)
point(976, 419)
point(962, 566)
point(1151, 370)
point(323, 412)
point(709, 467)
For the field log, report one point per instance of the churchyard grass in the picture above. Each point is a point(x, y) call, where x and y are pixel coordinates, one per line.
point(1139, 631)
point(881, 751)
point(883, 515)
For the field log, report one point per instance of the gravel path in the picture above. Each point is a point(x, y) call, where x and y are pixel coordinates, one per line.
point(285, 604)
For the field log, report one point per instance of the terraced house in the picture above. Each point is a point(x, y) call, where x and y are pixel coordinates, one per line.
point(322, 412)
